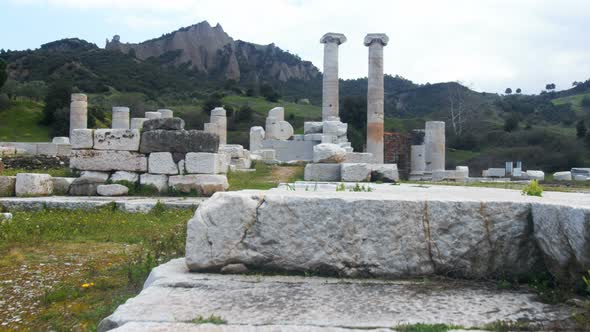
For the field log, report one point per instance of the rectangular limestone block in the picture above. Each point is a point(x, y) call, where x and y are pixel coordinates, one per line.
point(358, 157)
point(157, 181)
point(234, 150)
point(322, 172)
point(7, 185)
point(355, 172)
point(205, 163)
point(384, 173)
point(30, 185)
point(204, 184)
point(82, 139)
point(312, 137)
point(47, 149)
point(105, 160)
point(313, 127)
point(117, 139)
point(162, 163)
point(64, 149)
point(178, 141)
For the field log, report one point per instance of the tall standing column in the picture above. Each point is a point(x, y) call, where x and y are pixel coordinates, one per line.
point(330, 96)
point(375, 42)
point(434, 140)
point(78, 112)
point(120, 118)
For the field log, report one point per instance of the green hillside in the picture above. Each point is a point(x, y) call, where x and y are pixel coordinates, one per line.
point(20, 123)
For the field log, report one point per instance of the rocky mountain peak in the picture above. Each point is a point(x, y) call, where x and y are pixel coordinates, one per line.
point(212, 51)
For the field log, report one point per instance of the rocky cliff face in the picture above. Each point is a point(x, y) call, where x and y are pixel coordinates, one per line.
point(212, 51)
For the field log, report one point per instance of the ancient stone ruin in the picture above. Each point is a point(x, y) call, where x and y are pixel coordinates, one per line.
point(154, 152)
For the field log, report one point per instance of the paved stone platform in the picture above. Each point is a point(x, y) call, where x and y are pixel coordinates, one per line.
point(128, 204)
point(172, 297)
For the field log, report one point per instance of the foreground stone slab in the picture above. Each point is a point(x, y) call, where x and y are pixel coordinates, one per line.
point(104, 160)
point(172, 295)
point(394, 231)
point(189, 327)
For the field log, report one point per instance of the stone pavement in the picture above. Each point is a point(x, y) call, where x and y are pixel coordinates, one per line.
point(128, 204)
point(172, 297)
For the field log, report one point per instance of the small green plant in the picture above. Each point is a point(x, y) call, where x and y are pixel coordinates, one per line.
point(361, 188)
point(209, 320)
point(159, 208)
point(587, 282)
point(533, 189)
point(341, 187)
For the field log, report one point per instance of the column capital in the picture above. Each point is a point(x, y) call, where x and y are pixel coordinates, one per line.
point(376, 37)
point(332, 37)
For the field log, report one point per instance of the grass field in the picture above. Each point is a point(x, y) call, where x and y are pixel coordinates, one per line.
point(66, 270)
point(20, 123)
point(575, 100)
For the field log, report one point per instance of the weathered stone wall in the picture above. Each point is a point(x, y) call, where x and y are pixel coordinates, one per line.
point(397, 151)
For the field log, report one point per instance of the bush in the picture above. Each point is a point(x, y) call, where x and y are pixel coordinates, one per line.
point(511, 123)
point(533, 189)
point(4, 101)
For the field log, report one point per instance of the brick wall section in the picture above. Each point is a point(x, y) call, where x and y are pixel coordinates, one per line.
point(397, 151)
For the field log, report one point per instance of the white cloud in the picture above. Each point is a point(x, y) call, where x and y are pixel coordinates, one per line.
point(493, 43)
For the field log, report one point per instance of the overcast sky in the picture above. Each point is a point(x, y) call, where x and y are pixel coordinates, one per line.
point(487, 44)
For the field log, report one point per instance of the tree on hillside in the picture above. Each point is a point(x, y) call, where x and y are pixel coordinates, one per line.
point(58, 97)
point(3, 73)
point(459, 108)
point(269, 93)
point(508, 91)
point(519, 91)
point(511, 123)
point(581, 129)
point(550, 87)
point(353, 110)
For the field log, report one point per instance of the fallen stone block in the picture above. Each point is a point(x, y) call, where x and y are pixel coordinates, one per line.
point(535, 175)
point(82, 139)
point(494, 173)
point(105, 160)
point(104, 176)
point(29, 185)
point(61, 186)
point(311, 127)
point(579, 177)
point(205, 163)
point(7, 186)
point(61, 140)
point(562, 176)
point(158, 182)
point(233, 150)
point(162, 163)
point(241, 163)
point(153, 115)
point(328, 153)
point(124, 176)
point(451, 175)
point(112, 190)
point(312, 137)
point(117, 139)
point(86, 186)
point(322, 172)
point(355, 172)
point(181, 141)
point(384, 173)
point(164, 124)
point(204, 184)
point(358, 157)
